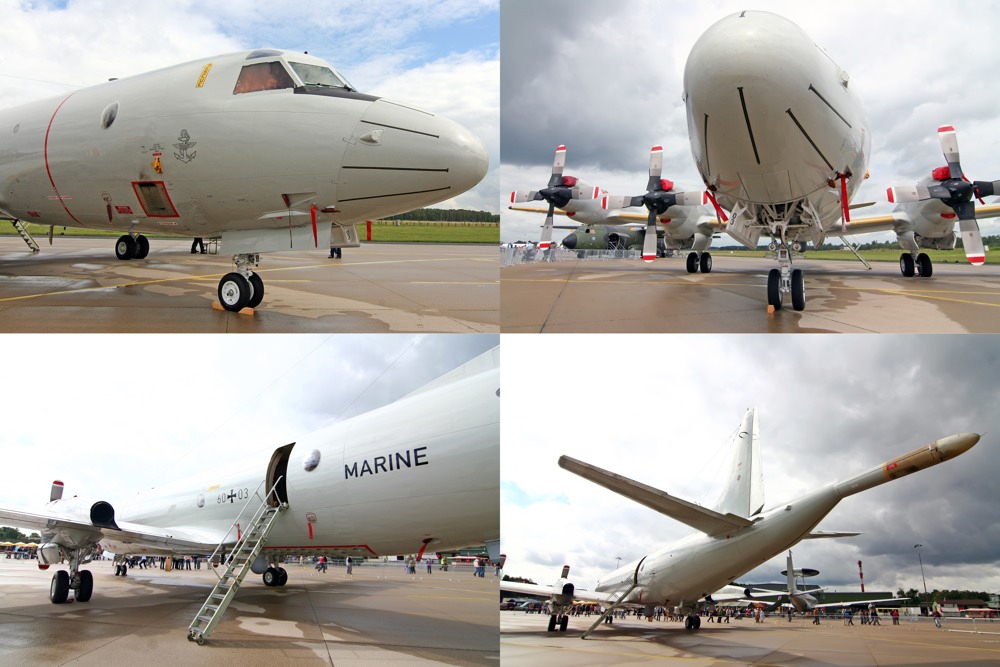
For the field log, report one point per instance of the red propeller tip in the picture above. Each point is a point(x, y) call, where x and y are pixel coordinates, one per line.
point(648, 258)
point(560, 148)
point(544, 246)
point(946, 128)
point(657, 148)
point(977, 260)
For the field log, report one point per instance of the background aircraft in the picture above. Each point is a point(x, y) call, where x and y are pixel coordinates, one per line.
point(350, 487)
point(738, 534)
point(266, 150)
point(675, 221)
point(804, 602)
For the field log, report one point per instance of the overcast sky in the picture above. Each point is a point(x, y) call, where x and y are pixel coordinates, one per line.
point(113, 415)
point(660, 409)
point(605, 79)
point(441, 56)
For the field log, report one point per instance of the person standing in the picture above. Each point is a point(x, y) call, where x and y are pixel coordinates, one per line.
point(350, 565)
point(198, 241)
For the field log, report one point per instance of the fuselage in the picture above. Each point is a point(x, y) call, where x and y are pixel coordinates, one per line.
point(772, 119)
point(244, 141)
point(421, 471)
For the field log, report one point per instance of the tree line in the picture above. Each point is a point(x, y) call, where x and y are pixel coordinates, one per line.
point(941, 596)
point(449, 215)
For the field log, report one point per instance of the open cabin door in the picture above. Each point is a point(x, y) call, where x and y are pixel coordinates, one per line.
point(277, 470)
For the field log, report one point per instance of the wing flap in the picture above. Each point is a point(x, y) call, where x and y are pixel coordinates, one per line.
point(699, 518)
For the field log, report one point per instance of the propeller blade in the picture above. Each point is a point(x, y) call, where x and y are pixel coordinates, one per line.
point(649, 242)
point(655, 169)
point(986, 188)
point(972, 241)
point(689, 198)
point(519, 196)
point(908, 193)
point(949, 146)
point(557, 167)
point(546, 239)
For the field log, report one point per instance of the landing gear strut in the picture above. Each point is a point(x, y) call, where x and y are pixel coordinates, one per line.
point(77, 580)
point(242, 288)
point(784, 280)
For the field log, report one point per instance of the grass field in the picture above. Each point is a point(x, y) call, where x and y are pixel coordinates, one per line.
point(405, 232)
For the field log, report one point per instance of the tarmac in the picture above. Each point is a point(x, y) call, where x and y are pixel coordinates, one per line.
point(524, 641)
point(377, 616)
point(613, 296)
point(78, 285)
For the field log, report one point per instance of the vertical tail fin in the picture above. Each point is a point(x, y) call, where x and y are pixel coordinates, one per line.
point(744, 491)
point(792, 590)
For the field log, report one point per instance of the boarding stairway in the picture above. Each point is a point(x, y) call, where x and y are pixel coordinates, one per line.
point(622, 592)
point(23, 231)
point(248, 546)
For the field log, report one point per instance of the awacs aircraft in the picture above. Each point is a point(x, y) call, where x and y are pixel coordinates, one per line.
point(676, 220)
point(418, 474)
point(804, 602)
point(265, 150)
point(735, 537)
point(781, 140)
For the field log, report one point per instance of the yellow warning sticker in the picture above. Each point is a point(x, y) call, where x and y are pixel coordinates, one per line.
point(204, 75)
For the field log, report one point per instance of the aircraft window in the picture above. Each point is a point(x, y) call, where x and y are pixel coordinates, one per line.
point(315, 75)
point(262, 76)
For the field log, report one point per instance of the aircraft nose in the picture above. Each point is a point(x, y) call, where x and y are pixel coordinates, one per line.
point(409, 158)
point(569, 242)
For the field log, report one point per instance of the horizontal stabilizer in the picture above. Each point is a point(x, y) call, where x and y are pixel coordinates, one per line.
point(818, 534)
point(705, 520)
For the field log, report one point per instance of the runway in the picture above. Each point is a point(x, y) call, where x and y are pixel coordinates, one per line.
point(78, 285)
point(524, 642)
point(841, 297)
point(379, 615)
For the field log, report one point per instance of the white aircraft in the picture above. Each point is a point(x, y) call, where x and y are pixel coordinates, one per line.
point(804, 602)
point(735, 537)
point(781, 140)
point(421, 473)
point(264, 150)
point(675, 219)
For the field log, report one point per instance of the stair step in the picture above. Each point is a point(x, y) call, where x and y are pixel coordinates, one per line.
point(206, 619)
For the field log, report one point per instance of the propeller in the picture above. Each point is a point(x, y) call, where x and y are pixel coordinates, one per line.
point(560, 190)
point(658, 198)
point(955, 191)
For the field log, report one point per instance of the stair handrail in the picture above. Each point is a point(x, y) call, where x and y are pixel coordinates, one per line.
point(257, 514)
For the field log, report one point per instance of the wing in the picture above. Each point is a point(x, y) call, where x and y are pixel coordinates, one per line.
point(74, 532)
point(899, 221)
point(705, 520)
point(549, 591)
point(819, 534)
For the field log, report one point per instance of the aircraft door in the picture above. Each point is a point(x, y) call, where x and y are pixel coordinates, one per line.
point(277, 470)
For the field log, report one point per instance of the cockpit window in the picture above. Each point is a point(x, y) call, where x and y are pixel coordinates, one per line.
point(263, 76)
point(316, 75)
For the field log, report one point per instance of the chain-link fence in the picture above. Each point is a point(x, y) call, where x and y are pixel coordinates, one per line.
point(528, 254)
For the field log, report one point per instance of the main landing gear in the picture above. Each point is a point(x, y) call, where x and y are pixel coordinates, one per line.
point(81, 582)
point(275, 576)
point(704, 262)
point(242, 288)
point(692, 622)
point(921, 266)
point(562, 621)
point(132, 247)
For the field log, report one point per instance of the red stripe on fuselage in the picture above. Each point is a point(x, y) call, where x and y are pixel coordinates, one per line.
point(45, 153)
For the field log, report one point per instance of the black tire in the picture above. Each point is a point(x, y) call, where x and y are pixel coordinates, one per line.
point(258, 291)
point(774, 288)
point(234, 292)
point(692, 263)
point(552, 623)
point(689, 622)
point(697, 622)
point(86, 588)
point(124, 570)
point(125, 247)
point(141, 247)
point(282, 577)
point(924, 267)
point(118, 570)
point(59, 588)
point(270, 577)
point(906, 265)
point(798, 290)
point(563, 623)
point(706, 262)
